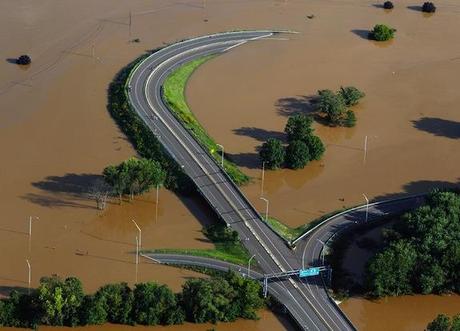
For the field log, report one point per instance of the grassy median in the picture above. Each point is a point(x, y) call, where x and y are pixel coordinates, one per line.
point(227, 246)
point(174, 95)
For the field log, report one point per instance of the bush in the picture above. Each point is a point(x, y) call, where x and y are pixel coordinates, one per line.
point(388, 5)
point(298, 127)
point(297, 155)
point(351, 95)
point(428, 7)
point(381, 32)
point(350, 119)
point(272, 152)
point(332, 105)
point(23, 60)
point(315, 147)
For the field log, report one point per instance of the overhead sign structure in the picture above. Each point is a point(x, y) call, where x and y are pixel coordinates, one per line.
point(309, 272)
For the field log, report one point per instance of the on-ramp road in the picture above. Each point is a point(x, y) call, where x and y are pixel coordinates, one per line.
point(308, 306)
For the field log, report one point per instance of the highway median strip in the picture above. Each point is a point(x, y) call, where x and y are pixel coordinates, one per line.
point(174, 95)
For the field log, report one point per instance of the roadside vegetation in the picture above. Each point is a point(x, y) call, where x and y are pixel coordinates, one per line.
point(422, 254)
point(174, 95)
point(140, 136)
point(59, 302)
point(286, 232)
point(382, 32)
point(227, 246)
point(444, 323)
point(303, 146)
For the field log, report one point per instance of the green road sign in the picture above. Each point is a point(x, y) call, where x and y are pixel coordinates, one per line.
point(309, 272)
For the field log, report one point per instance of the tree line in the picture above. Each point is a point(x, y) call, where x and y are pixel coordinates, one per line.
point(444, 323)
point(422, 252)
point(58, 302)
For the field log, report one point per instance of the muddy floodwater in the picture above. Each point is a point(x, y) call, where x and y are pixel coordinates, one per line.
point(56, 135)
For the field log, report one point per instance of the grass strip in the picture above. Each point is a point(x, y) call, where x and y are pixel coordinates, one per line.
point(174, 95)
point(233, 253)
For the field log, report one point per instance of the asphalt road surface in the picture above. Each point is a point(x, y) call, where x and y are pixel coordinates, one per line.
point(305, 299)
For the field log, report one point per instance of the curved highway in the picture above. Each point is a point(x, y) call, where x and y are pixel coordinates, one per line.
point(305, 299)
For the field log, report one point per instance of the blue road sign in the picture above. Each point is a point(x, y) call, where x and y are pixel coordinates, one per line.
point(309, 272)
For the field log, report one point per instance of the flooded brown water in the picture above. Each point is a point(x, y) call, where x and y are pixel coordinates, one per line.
point(56, 134)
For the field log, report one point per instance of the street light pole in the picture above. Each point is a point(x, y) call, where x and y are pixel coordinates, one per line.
point(31, 218)
point(249, 265)
point(263, 178)
point(266, 207)
point(365, 148)
point(156, 204)
point(367, 207)
point(140, 232)
point(137, 256)
point(30, 273)
point(222, 154)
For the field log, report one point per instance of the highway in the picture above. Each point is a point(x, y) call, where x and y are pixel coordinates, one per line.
point(306, 300)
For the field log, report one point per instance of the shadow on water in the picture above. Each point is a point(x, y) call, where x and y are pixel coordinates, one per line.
point(70, 190)
point(6, 290)
point(295, 105)
point(377, 5)
point(247, 160)
point(259, 134)
point(415, 8)
point(438, 127)
point(11, 60)
point(364, 34)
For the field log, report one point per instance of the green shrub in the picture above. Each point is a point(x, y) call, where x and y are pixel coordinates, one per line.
point(388, 5)
point(351, 95)
point(272, 152)
point(382, 32)
point(297, 155)
point(428, 7)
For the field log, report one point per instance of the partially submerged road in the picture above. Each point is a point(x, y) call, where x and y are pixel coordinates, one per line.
point(306, 299)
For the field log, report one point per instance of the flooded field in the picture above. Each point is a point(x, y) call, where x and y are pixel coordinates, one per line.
point(56, 135)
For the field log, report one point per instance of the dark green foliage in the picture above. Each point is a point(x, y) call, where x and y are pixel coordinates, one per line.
point(440, 323)
point(382, 32)
point(117, 300)
point(155, 304)
point(351, 95)
point(219, 233)
point(332, 105)
point(134, 176)
point(93, 310)
point(142, 138)
point(350, 119)
point(23, 60)
point(455, 323)
point(221, 299)
point(297, 155)
point(388, 5)
point(272, 152)
point(298, 127)
point(424, 254)
point(315, 147)
point(428, 7)
point(60, 300)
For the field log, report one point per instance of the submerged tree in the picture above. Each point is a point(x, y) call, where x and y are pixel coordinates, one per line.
point(272, 152)
point(428, 7)
point(382, 32)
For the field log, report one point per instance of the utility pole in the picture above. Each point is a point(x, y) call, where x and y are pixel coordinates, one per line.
point(249, 265)
point(137, 256)
point(365, 149)
point(30, 274)
point(266, 207)
point(140, 232)
point(31, 218)
point(156, 204)
point(130, 21)
point(263, 178)
point(367, 207)
point(222, 154)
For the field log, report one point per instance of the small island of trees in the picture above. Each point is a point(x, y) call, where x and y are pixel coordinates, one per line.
point(382, 32)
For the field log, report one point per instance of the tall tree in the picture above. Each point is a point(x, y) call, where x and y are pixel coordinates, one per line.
point(272, 152)
point(298, 127)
